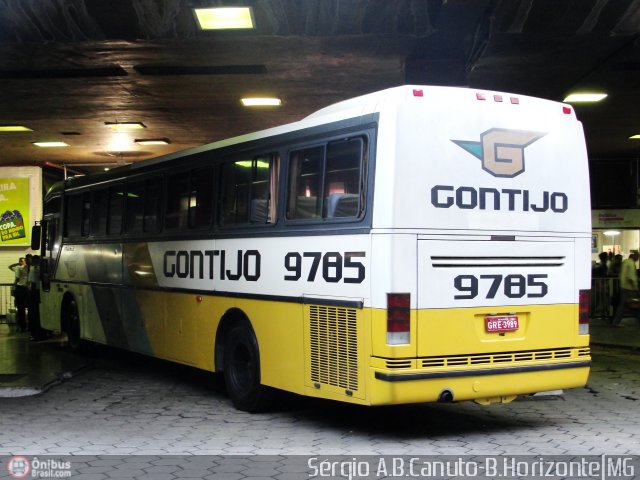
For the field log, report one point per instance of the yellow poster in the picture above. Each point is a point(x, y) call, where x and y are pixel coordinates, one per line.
point(14, 211)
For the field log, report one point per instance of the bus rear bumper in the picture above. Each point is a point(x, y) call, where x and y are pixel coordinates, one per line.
point(481, 384)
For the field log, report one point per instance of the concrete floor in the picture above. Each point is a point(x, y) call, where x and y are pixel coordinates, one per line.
point(117, 415)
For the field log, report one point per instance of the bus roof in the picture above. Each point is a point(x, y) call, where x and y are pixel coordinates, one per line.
point(350, 108)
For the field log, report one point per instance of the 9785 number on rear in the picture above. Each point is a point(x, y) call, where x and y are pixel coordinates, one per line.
point(512, 286)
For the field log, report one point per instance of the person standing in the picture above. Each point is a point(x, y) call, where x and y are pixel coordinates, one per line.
point(21, 269)
point(628, 285)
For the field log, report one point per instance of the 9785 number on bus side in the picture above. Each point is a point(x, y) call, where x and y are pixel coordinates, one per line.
point(512, 286)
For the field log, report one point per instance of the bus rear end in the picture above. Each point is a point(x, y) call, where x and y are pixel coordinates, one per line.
point(481, 247)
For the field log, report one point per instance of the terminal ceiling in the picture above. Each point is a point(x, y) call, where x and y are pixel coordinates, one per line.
point(69, 66)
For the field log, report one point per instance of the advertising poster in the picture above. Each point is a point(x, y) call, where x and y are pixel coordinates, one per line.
point(14, 211)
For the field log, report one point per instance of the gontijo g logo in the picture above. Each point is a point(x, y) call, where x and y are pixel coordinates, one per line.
point(502, 154)
point(500, 150)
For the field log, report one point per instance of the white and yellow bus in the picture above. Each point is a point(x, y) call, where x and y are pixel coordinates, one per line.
point(416, 244)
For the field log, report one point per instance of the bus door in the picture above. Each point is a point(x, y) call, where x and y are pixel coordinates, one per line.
point(51, 238)
point(104, 267)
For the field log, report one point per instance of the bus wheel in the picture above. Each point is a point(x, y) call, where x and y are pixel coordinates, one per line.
point(242, 371)
point(72, 326)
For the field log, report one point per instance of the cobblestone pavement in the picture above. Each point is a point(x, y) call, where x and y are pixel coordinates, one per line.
point(132, 405)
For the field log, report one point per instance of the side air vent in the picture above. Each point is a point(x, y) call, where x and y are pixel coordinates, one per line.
point(333, 347)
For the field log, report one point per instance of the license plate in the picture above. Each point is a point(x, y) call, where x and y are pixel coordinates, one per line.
point(501, 323)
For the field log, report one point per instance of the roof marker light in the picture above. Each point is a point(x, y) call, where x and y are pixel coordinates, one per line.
point(417, 92)
point(497, 98)
point(515, 100)
point(481, 96)
point(566, 110)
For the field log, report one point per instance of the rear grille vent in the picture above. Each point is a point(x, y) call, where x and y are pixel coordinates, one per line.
point(334, 348)
point(502, 358)
point(496, 261)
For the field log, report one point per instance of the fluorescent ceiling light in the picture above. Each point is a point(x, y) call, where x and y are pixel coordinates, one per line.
point(611, 233)
point(227, 18)
point(585, 97)
point(261, 102)
point(152, 141)
point(635, 137)
point(119, 126)
point(14, 128)
point(249, 164)
point(50, 144)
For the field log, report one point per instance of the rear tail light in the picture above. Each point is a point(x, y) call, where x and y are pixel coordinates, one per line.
point(398, 318)
point(583, 312)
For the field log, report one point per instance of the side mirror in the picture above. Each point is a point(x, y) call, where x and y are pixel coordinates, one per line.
point(36, 233)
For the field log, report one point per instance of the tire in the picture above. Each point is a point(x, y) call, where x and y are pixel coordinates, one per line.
point(242, 371)
point(72, 326)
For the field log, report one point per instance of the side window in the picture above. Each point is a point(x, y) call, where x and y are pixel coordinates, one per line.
point(343, 185)
point(190, 199)
point(52, 231)
point(86, 213)
point(73, 215)
point(201, 197)
point(52, 206)
point(116, 197)
point(152, 205)
point(135, 207)
point(51, 212)
point(327, 181)
point(248, 188)
point(177, 201)
point(99, 212)
point(305, 183)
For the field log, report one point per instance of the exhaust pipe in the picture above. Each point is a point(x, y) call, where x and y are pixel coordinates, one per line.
point(446, 396)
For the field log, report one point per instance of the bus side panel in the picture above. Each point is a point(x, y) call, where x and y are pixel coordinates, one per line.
point(282, 286)
point(279, 331)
